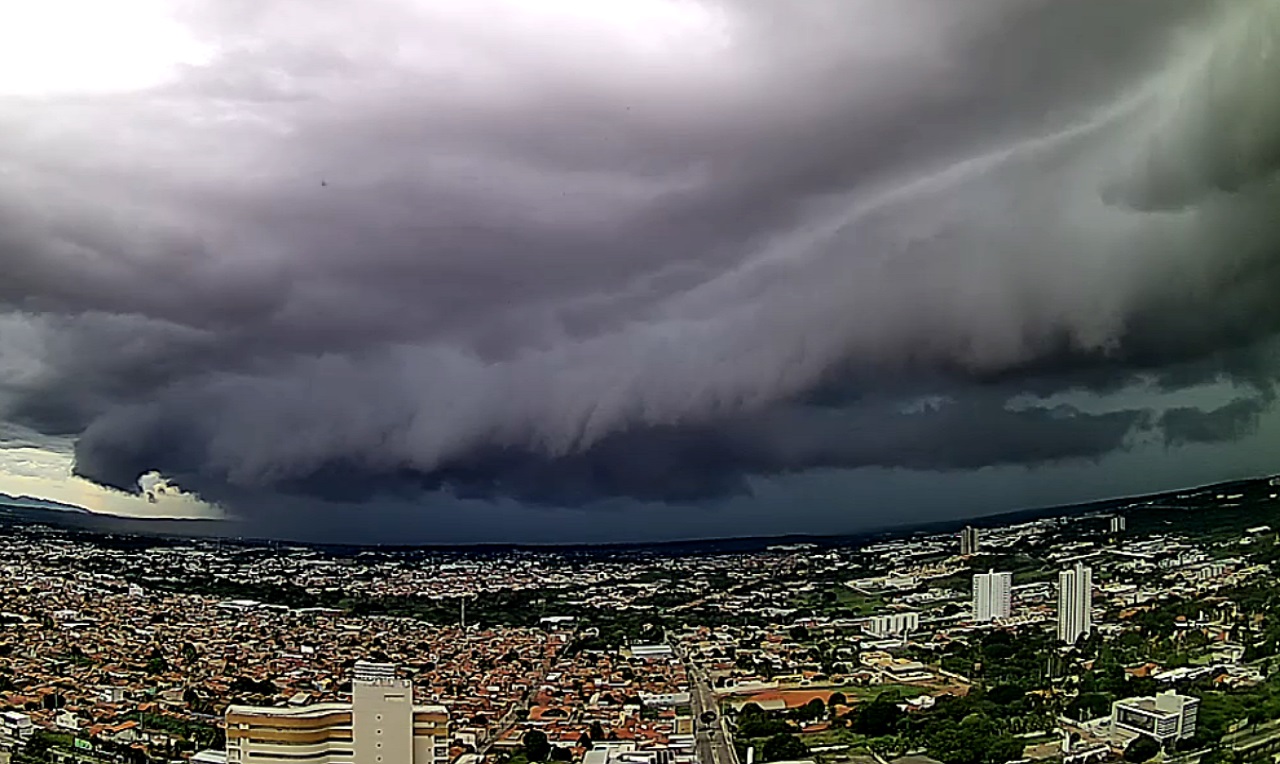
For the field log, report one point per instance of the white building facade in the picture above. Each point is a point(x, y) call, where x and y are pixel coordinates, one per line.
point(892, 624)
point(381, 725)
point(1167, 717)
point(1075, 603)
point(992, 596)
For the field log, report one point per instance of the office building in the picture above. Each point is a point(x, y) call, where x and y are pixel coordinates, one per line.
point(1075, 603)
point(969, 540)
point(992, 596)
point(1167, 717)
point(381, 725)
point(1117, 524)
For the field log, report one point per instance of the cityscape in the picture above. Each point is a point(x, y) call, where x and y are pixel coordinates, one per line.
point(1141, 630)
point(639, 382)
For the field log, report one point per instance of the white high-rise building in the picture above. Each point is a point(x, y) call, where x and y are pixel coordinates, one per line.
point(969, 540)
point(1117, 524)
point(892, 624)
point(992, 596)
point(1075, 603)
point(381, 725)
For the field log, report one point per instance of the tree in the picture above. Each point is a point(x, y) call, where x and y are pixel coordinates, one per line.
point(535, 745)
point(1004, 694)
point(814, 709)
point(798, 633)
point(761, 725)
point(1089, 705)
point(561, 754)
point(1004, 748)
point(156, 663)
point(879, 717)
point(597, 731)
point(1141, 749)
point(782, 747)
point(837, 699)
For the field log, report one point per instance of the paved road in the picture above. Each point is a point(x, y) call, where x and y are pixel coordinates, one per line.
point(714, 743)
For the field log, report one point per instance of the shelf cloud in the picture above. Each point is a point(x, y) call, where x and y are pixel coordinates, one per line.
point(562, 253)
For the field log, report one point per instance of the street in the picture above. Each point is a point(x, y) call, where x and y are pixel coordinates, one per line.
point(714, 744)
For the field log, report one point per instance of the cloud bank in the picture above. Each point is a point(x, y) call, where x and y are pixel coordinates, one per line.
point(565, 252)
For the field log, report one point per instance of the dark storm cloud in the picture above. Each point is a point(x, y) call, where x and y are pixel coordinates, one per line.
point(567, 251)
point(1231, 421)
point(655, 464)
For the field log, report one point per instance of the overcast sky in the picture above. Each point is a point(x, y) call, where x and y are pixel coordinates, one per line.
point(464, 270)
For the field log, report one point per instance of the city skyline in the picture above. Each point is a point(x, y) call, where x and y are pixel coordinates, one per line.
point(215, 652)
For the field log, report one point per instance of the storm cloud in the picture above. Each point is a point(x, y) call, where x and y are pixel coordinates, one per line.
point(563, 252)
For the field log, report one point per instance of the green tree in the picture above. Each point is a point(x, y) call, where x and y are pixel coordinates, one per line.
point(879, 717)
point(1089, 705)
point(814, 709)
point(535, 745)
point(761, 725)
point(783, 747)
point(156, 664)
point(1004, 694)
point(1141, 749)
point(798, 633)
point(837, 699)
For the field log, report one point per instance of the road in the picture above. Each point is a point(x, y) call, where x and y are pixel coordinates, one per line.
point(713, 741)
point(510, 719)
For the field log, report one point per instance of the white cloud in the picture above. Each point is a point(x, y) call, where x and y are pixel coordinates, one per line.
point(45, 474)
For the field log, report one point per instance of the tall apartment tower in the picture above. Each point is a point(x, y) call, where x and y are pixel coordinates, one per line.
point(1117, 524)
point(992, 596)
point(1075, 603)
point(381, 715)
point(969, 540)
point(380, 725)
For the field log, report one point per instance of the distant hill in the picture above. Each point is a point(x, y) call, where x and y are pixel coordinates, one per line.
point(30, 502)
point(25, 510)
point(1254, 495)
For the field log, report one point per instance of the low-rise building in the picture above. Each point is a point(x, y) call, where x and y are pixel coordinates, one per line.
point(15, 727)
point(1166, 717)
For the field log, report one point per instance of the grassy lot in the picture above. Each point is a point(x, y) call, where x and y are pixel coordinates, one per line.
point(862, 603)
point(1034, 575)
point(897, 692)
point(839, 600)
point(833, 737)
